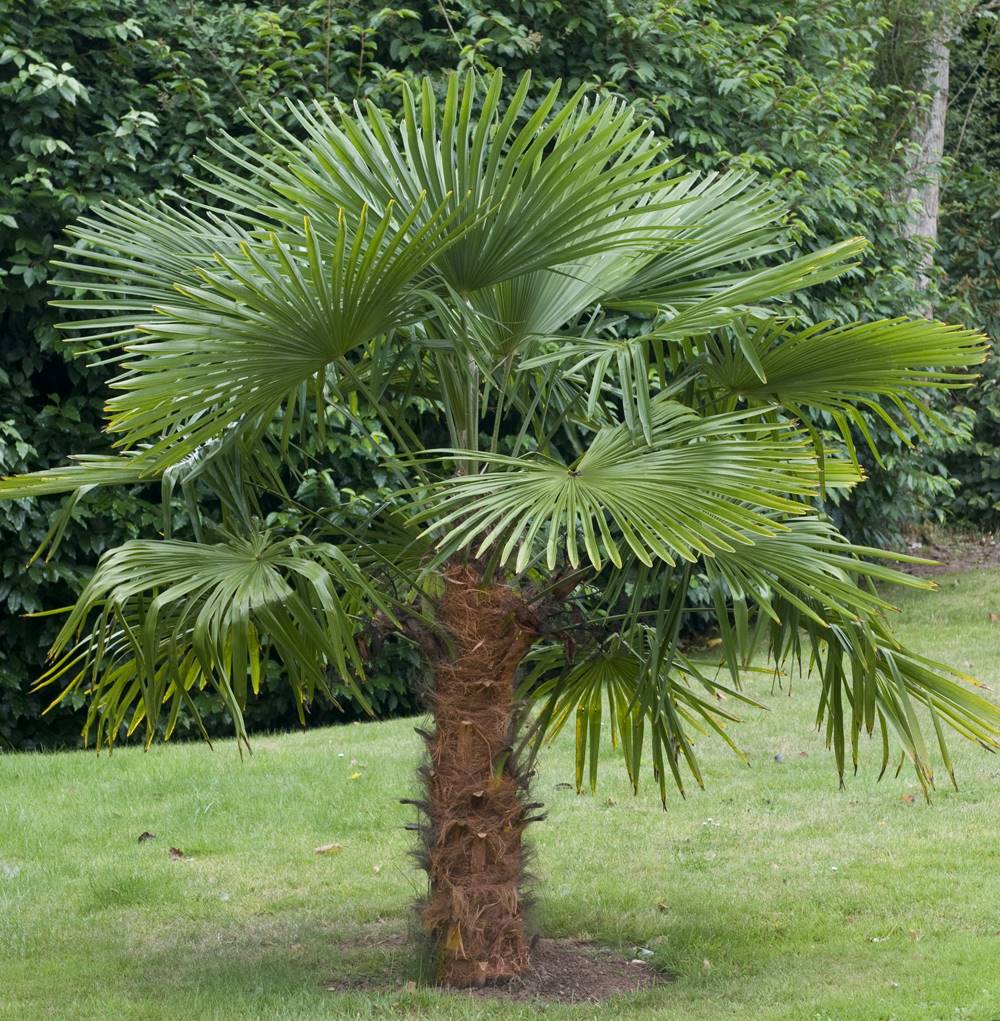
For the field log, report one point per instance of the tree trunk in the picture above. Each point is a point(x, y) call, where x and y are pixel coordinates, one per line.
point(475, 808)
point(929, 135)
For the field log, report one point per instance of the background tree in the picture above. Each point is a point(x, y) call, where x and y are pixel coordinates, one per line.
point(917, 55)
point(480, 254)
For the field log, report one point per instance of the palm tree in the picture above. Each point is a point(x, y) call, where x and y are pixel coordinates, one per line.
point(629, 412)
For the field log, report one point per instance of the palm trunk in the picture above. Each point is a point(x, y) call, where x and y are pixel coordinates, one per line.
point(474, 803)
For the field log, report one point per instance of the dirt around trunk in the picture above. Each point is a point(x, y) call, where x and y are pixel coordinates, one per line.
point(574, 971)
point(476, 813)
point(560, 971)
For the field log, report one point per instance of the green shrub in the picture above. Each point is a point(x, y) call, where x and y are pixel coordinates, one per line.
point(970, 255)
point(102, 97)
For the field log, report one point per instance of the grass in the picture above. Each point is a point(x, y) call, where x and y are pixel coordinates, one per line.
point(770, 896)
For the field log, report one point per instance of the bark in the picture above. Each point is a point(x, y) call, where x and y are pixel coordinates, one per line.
point(926, 165)
point(476, 813)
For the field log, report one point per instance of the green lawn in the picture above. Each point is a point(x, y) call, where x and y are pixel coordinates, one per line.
point(808, 903)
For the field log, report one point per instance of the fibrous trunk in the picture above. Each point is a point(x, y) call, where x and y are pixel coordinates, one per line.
point(474, 804)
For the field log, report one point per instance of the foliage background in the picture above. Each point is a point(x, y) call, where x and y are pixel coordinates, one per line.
point(105, 98)
point(970, 249)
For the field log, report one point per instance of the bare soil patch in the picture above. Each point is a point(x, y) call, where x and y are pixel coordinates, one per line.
point(571, 971)
point(561, 971)
point(954, 553)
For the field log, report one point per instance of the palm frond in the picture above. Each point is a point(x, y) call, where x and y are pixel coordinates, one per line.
point(714, 219)
point(232, 469)
point(690, 307)
point(821, 606)
point(130, 256)
point(844, 370)
point(86, 473)
point(809, 567)
point(869, 678)
point(810, 556)
point(703, 484)
point(645, 705)
point(726, 220)
point(85, 470)
point(581, 174)
point(235, 343)
point(160, 620)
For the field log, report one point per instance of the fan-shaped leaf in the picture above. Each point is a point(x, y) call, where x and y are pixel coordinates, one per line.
point(235, 343)
point(549, 185)
point(703, 484)
point(615, 687)
point(160, 619)
point(843, 370)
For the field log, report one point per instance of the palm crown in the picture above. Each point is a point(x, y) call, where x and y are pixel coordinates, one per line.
point(627, 407)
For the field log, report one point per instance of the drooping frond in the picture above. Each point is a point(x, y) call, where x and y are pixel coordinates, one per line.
point(810, 556)
point(821, 604)
point(869, 678)
point(647, 705)
point(160, 620)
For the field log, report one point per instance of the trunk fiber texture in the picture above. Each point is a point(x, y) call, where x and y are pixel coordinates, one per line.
point(475, 807)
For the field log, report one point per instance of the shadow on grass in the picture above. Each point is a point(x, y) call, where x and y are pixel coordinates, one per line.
point(272, 955)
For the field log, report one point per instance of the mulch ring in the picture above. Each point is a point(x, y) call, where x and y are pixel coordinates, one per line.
point(572, 971)
point(562, 971)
